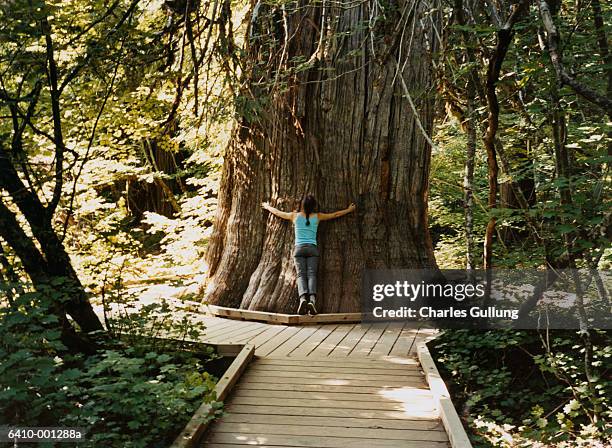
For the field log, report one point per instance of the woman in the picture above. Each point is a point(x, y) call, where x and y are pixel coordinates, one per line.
point(306, 254)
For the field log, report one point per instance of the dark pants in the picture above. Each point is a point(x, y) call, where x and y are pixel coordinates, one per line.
point(306, 257)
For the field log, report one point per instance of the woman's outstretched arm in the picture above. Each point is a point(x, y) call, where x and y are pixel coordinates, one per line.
point(276, 212)
point(339, 213)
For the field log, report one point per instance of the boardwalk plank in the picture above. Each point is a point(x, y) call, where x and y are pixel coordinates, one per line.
point(313, 341)
point(330, 412)
point(365, 363)
point(264, 337)
point(347, 422)
point(368, 341)
point(316, 441)
point(396, 376)
point(387, 341)
point(407, 370)
point(418, 384)
point(243, 337)
point(329, 395)
point(339, 333)
point(339, 404)
point(330, 431)
point(213, 322)
point(226, 332)
point(276, 341)
point(406, 343)
point(349, 342)
point(215, 327)
point(275, 379)
point(296, 340)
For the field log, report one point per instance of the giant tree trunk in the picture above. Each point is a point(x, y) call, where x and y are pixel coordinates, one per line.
point(341, 129)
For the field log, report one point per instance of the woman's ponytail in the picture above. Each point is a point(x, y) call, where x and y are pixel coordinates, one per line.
point(308, 206)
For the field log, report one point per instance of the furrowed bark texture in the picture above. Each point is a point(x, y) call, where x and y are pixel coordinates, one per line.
point(341, 129)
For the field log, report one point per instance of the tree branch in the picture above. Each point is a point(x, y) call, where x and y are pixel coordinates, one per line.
point(504, 38)
point(52, 79)
point(76, 69)
point(557, 62)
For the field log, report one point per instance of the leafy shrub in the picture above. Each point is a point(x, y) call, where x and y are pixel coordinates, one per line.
point(133, 392)
point(516, 388)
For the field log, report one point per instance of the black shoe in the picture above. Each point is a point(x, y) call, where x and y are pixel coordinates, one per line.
point(303, 307)
point(311, 307)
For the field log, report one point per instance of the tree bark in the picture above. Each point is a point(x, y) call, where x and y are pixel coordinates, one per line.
point(342, 129)
point(469, 124)
point(468, 177)
point(8, 275)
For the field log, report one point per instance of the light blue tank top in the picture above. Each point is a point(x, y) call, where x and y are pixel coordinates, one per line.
point(306, 234)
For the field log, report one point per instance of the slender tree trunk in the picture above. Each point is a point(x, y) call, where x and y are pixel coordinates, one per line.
point(38, 271)
point(468, 176)
point(489, 144)
point(520, 168)
point(504, 38)
point(342, 129)
point(470, 126)
point(57, 262)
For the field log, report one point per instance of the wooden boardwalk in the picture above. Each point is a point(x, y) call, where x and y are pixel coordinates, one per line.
point(327, 386)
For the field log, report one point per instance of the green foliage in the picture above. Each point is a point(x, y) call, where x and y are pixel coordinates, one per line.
point(533, 110)
point(141, 107)
point(517, 387)
point(446, 211)
point(514, 388)
point(130, 91)
point(130, 80)
point(133, 392)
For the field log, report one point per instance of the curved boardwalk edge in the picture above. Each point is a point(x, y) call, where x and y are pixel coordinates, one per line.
point(280, 318)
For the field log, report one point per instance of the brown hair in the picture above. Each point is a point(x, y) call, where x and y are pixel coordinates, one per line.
point(309, 204)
